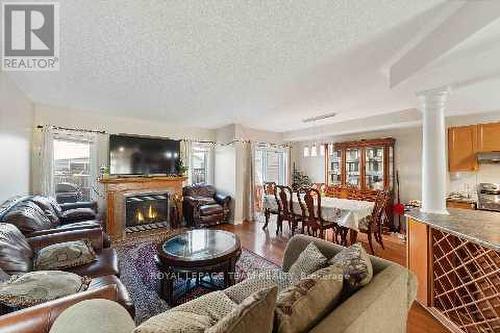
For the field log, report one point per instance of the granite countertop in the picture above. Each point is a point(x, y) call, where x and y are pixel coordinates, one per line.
point(480, 227)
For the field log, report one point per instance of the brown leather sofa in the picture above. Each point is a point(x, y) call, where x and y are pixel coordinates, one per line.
point(17, 253)
point(203, 206)
point(37, 215)
point(39, 318)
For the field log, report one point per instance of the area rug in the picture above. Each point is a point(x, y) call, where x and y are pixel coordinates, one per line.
point(141, 276)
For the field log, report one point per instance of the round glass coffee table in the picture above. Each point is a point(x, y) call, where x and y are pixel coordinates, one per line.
point(197, 254)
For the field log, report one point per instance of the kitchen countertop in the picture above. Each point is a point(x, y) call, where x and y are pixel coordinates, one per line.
point(480, 227)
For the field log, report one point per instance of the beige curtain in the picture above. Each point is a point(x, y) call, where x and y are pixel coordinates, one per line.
point(43, 161)
point(250, 182)
point(186, 146)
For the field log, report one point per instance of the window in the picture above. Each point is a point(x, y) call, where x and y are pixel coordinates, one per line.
point(271, 165)
point(200, 163)
point(72, 170)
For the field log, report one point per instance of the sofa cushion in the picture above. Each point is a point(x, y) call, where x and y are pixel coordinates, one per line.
point(204, 200)
point(211, 209)
point(38, 287)
point(310, 260)
point(28, 217)
point(106, 263)
point(65, 255)
point(78, 214)
point(15, 252)
point(50, 207)
point(215, 305)
point(254, 314)
point(93, 315)
point(175, 322)
point(356, 265)
point(303, 304)
point(258, 280)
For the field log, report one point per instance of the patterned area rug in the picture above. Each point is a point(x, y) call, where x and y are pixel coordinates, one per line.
point(141, 276)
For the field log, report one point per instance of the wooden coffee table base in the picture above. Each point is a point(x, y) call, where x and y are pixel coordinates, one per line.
point(169, 275)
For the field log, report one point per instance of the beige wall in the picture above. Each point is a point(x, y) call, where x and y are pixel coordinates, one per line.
point(16, 121)
point(408, 152)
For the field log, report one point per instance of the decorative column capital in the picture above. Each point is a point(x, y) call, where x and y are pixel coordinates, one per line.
point(435, 98)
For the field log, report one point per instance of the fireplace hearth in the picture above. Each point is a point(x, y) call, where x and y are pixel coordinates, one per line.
point(146, 211)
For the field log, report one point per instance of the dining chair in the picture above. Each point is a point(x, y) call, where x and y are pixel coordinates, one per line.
point(312, 217)
point(270, 191)
point(372, 225)
point(285, 206)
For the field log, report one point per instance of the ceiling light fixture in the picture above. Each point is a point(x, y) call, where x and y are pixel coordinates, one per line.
point(321, 117)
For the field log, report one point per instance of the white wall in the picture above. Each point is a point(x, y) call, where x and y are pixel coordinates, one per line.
point(66, 117)
point(16, 119)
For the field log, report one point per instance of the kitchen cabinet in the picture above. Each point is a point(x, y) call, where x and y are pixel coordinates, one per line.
point(488, 137)
point(462, 148)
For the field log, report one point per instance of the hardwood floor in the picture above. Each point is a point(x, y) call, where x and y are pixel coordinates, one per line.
point(267, 244)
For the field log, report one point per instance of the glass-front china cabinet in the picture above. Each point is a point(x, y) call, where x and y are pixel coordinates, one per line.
point(365, 164)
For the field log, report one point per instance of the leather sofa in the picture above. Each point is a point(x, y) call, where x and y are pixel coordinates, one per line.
point(37, 215)
point(16, 258)
point(203, 206)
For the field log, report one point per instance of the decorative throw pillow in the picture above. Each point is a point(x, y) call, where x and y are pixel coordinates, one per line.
point(303, 304)
point(310, 260)
point(15, 252)
point(356, 265)
point(65, 255)
point(28, 217)
point(215, 305)
point(254, 314)
point(78, 214)
point(38, 287)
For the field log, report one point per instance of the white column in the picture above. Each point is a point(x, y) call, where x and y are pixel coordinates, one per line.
point(434, 170)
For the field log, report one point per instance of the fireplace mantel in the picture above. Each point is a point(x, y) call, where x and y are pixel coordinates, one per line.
point(117, 188)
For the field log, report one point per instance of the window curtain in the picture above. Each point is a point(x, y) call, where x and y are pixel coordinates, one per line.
point(252, 182)
point(186, 148)
point(43, 162)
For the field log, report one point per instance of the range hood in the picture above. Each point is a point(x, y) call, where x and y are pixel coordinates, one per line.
point(491, 157)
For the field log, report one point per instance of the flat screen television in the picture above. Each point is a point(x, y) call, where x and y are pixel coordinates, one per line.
point(131, 155)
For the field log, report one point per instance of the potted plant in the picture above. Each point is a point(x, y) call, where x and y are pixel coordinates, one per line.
point(180, 167)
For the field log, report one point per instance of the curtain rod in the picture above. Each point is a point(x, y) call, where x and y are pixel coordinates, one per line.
point(72, 129)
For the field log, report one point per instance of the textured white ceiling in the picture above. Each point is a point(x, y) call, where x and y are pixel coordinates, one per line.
point(264, 64)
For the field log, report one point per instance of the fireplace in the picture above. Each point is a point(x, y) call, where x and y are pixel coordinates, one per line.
point(145, 211)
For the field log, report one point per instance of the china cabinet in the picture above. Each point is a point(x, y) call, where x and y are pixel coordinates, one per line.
point(364, 164)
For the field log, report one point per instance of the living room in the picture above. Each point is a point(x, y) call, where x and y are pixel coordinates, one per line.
point(233, 166)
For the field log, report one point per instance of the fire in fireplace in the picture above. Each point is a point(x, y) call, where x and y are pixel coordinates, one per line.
point(142, 210)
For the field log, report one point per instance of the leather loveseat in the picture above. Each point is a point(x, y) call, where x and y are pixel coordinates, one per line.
point(17, 253)
point(203, 206)
point(37, 215)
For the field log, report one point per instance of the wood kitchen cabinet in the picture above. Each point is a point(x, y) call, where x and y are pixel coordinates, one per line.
point(488, 137)
point(462, 148)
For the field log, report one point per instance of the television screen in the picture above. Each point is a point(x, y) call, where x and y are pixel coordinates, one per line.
point(130, 155)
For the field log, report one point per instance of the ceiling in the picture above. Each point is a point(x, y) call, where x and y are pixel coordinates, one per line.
point(265, 65)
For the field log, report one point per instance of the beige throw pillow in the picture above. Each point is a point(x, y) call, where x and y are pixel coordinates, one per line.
point(356, 265)
point(310, 260)
point(302, 305)
point(65, 255)
point(38, 287)
point(254, 314)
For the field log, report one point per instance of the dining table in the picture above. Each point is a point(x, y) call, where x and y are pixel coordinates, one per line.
point(345, 212)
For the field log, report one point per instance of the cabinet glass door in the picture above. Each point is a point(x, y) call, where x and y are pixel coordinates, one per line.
point(374, 168)
point(352, 164)
point(334, 166)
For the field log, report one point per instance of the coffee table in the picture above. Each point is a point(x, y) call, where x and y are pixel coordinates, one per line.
point(197, 254)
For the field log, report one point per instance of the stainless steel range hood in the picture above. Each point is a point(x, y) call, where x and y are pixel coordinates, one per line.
point(493, 157)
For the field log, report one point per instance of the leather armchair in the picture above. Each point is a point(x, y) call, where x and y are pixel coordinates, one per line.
point(203, 206)
point(40, 318)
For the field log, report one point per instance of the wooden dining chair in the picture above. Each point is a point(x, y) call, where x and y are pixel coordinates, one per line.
point(312, 217)
point(285, 208)
point(373, 223)
point(270, 190)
